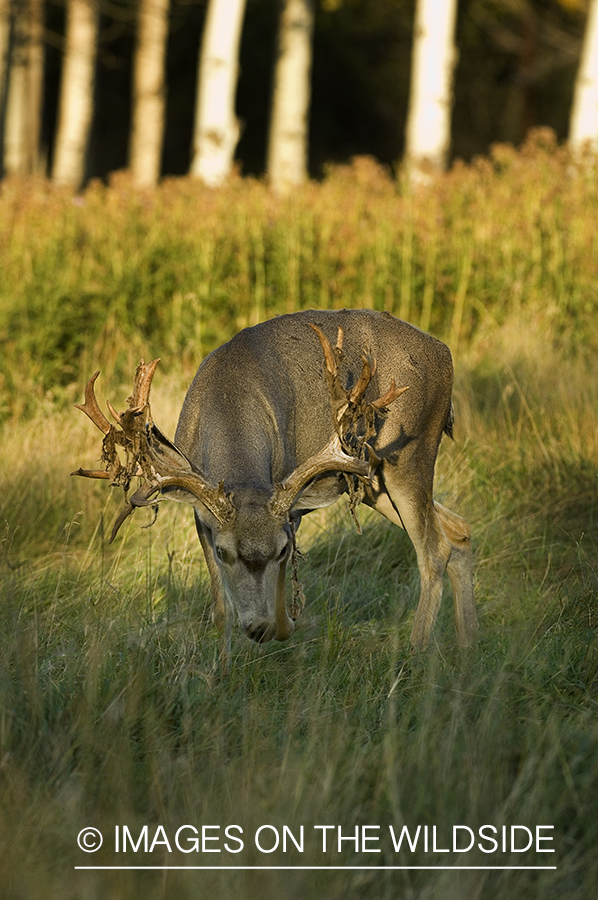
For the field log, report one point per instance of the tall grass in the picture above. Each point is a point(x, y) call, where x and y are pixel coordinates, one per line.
point(114, 272)
point(112, 710)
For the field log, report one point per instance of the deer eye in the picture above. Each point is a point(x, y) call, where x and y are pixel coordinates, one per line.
point(223, 555)
point(282, 553)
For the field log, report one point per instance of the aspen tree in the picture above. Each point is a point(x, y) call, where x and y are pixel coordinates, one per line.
point(147, 129)
point(584, 115)
point(24, 68)
point(216, 130)
point(288, 139)
point(431, 91)
point(76, 93)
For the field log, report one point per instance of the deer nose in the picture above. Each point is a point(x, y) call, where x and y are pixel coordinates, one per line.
point(260, 632)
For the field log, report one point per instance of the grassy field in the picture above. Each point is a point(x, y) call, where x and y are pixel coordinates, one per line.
point(112, 711)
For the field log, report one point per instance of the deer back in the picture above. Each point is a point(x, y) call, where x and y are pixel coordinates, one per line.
point(259, 405)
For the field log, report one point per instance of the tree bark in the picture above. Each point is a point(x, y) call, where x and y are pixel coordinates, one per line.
point(583, 126)
point(216, 126)
point(288, 139)
point(149, 92)
point(430, 99)
point(76, 93)
point(4, 39)
point(24, 76)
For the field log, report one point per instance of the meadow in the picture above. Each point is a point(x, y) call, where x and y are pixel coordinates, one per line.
point(112, 708)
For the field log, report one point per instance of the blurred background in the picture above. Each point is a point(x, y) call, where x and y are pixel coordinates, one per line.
point(513, 67)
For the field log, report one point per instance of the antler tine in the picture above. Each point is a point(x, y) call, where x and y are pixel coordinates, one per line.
point(338, 395)
point(143, 382)
point(329, 357)
point(367, 373)
point(91, 408)
point(392, 394)
point(92, 473)
point(115, 415)
point(139, 498)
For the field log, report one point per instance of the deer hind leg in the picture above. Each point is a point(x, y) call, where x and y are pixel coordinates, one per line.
point(442, 542)
point(460, 571)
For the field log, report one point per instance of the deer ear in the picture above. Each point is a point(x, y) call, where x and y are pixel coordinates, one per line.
point(207, 512)
point(320, 493)
point(180, 495)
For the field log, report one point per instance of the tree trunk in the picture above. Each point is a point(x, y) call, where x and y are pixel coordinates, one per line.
point(25, 72)
point(584, 115)
point(288, 140)
point(430, 99)
point(216, 125)
point(149, 92)
point(76, 93)
point(4, 39)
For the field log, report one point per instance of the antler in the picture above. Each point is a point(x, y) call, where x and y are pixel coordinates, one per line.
point(352, 399)
point(345, 450)
point(332, 458)
point(149, 453)
point(91, 408)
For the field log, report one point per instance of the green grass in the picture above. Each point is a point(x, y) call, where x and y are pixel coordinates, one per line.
point(117, 273)
point(112, 709)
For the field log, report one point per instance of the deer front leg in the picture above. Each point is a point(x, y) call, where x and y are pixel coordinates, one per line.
point(221, 613)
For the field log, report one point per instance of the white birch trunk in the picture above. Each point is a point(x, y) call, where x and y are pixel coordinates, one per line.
point(149, 92)
point(430, 99)
point(76, 93)
point(216, 126)
point(583, 127)
point(25, 70)
point(4, 38)
point(288, 139)
point(15, 125)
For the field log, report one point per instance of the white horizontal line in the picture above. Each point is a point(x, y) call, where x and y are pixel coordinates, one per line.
point(313, 868)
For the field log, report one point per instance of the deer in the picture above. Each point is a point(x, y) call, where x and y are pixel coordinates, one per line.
point(284, 419)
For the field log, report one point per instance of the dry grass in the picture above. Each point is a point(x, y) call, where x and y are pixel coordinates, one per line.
point(117, 273)
point(111, 707)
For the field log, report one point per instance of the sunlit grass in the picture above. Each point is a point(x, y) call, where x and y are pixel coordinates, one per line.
point(115, 273)
point(113, 710)
point(112, 707)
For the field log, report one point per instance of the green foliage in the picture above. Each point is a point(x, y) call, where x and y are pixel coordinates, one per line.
point(114, 274)
point(112, 710)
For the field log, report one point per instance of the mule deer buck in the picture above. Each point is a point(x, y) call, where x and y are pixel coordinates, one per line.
point(267, 433)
